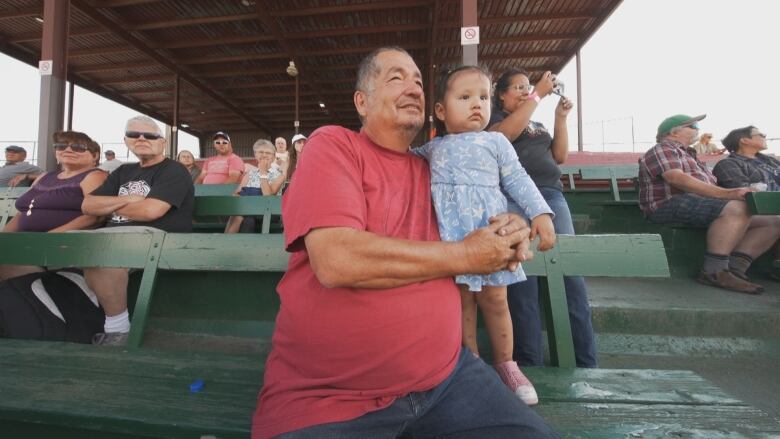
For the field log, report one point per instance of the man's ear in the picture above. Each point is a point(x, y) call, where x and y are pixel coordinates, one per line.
point(438, 109)
point(360, 99)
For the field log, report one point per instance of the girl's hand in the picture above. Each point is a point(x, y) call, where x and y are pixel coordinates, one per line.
point(563, 108)
point(545, 84)
point(542, 225)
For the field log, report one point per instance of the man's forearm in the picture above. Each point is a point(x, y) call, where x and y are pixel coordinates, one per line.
point(100, 205)
point(343, 257)
point(687, 183)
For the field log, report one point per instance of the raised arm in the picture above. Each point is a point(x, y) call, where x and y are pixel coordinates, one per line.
point(560, 144)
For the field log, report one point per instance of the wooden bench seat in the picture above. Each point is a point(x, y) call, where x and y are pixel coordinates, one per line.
point(51, 387)
point(763, 203)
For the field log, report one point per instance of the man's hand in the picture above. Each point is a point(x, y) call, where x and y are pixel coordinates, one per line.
point(542, 225)
point(17, 179)
point(737, 193)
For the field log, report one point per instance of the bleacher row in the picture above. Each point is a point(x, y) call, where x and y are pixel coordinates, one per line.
point(215, 291)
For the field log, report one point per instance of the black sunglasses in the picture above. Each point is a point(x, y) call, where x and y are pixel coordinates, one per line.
point(138, 134)
point(75, 147)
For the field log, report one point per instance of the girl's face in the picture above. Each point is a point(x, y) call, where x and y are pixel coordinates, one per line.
point(186, 159)
point(466, 106)
point(518, 91)
point(299, 145)
point(264, 153)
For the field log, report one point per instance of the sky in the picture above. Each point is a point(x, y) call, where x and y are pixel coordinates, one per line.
point(650, 60)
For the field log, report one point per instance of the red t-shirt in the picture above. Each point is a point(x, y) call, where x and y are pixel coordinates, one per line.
point(218, 167)
point(339, 353)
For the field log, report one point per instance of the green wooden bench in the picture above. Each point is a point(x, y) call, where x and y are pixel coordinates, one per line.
point(214, 189)
point(568, 173)
point(213, 206)
point(69, 390)
point(613, 174)
point(8, 196)
point(763, 203)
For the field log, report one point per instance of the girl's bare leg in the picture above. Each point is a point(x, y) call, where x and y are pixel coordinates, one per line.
point(495, 310)
point(468, 306)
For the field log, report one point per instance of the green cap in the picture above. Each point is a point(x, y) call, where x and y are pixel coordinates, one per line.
point(678, 120)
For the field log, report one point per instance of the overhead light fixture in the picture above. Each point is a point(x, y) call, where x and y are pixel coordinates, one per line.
point(292, 70)
point(39, 19)
point(247, 3)
point(322, 104)
point(184, 125)
point(202, 112)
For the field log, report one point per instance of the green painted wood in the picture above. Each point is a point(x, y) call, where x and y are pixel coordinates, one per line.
point(569, 172)
point(76, 249)
point(763, 203)
point(612, 255)
point(552, 295)
point(218, 252)
point(611, 173)
point(235, 205)
point(145, 290)
point(12, 192)
point(215, 189)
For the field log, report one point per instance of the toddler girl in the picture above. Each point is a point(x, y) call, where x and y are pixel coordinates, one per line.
point(472, 174)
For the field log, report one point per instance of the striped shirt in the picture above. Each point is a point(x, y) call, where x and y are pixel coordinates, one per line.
point(654, 190)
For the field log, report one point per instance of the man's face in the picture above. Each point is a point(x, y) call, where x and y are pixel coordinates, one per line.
point(395, 99)
point(281, 144)
point(143, 147)
point(756, 142)
point(222, 146)
point(109, 156)
point(12, 157)
point(686, 135)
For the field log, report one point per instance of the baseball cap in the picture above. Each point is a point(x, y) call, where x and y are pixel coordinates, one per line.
point(678, 120)
point(298, 137)
point(15, 148)
point(222, 134)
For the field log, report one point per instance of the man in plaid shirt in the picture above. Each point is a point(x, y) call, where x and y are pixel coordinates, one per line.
point(675, 187)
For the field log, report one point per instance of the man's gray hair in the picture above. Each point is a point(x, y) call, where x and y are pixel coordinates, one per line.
point(144, 120)
point(369, 69)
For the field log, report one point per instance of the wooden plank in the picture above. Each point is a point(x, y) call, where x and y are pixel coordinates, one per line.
point(612, 255)
point(219, 252)
point(608, 172)
point(214, 189)
point(76, 249)
point(212, 205)
point(763, 203)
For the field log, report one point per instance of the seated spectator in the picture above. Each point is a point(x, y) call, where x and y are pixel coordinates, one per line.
point(298, 141)
point(282, 154)
point(111, 162)
point(705, 146)
point(152, 195)
point(265, 179)
point(188, 160)
point(16, 171)
point(223, 168)
point(675, 187)
point(746, 165)
point(53, 203)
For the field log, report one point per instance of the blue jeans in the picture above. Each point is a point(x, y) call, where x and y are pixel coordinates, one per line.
point(523, 301)
point(472, 403)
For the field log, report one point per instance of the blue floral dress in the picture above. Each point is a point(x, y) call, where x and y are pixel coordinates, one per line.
point(472, 175)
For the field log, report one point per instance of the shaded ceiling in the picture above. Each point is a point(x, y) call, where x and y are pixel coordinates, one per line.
point(231, 56)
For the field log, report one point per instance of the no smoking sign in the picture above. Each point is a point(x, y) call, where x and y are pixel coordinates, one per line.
point(469, 35)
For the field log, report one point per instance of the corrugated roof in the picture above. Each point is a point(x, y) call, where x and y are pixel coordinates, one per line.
point(232, 55)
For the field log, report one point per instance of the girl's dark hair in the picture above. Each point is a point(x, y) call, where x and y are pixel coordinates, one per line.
point(502, 85)
point(440, 90)
point(731, 141)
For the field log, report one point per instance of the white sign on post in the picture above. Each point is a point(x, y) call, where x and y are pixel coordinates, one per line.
point(469, 35)
point(44, 67)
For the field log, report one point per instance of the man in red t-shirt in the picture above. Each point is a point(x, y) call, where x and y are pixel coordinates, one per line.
point(368, 337)
point(223, 168)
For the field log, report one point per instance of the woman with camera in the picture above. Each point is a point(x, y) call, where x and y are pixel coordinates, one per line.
point(540, 154)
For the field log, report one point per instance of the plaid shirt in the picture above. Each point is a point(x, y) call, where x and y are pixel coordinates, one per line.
point(740, 171)
point(665, 156)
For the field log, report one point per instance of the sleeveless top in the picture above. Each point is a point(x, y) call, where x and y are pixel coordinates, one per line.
point(51, 202)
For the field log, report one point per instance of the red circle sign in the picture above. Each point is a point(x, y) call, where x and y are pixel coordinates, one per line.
point(470, 34)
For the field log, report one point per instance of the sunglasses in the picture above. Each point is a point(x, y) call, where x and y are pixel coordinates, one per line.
point(695, 126)
point(75, 147)
point(221, 142)
point(138, 134)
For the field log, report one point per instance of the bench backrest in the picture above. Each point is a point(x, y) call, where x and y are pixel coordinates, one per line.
point(221, 206)
point(583, 255)
point(8, 196)
point(763, 203)
point(611, 173)
point(215, 189)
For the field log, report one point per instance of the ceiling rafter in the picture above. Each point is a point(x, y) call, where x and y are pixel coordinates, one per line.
point(21, 12)
point(305, 74)
point(167, 24)
point(125, 35)
point(364, 7)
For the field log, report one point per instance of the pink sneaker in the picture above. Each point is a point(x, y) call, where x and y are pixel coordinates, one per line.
point(517, 382)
